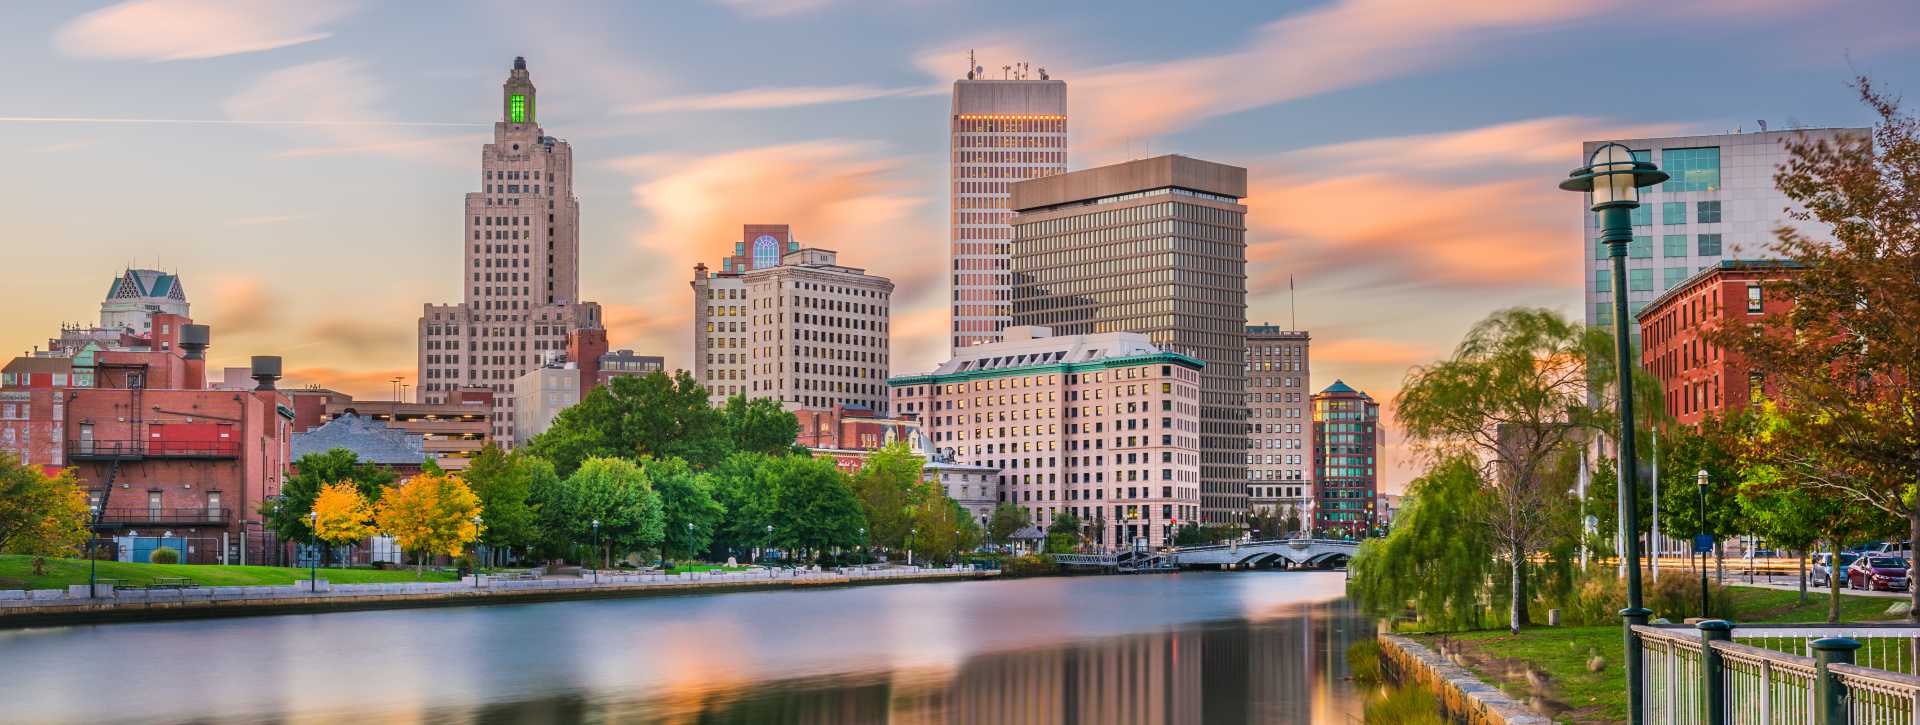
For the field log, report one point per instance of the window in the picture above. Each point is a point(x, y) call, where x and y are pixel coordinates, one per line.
point(1603, 313)
point(1692, 169)
point(1641, 247)
point(1673, 245)
point(1640, 280)
point(1599, 249)
point(1708, 212)
point(1673, 212)
point(1602, 280)
point(1753, 299)
point(1641, 216)
point(1672, 277)
point(1709, 245)
point(517, 108)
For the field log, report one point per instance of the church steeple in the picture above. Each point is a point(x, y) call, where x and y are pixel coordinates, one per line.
point(516, 98)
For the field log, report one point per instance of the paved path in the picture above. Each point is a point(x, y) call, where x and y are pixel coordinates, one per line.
point(1792, 584)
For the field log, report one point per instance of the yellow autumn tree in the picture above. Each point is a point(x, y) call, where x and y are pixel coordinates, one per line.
point(342, 515)
point(432, 513)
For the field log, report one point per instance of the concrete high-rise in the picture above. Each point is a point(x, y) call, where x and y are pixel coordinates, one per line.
point(521, 264)
point(803, 330)
point(1279, 421)
point(1155, 246)
point(1346, 454)
point(1002, 131)
point(1720, 204)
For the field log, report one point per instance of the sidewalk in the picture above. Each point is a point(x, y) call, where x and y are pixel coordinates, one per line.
point(1786, 582)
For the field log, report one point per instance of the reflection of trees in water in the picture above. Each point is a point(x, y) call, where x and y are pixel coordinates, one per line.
point(1289, 668)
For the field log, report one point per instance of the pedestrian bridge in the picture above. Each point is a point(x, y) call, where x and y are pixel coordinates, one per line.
point(1270, 554)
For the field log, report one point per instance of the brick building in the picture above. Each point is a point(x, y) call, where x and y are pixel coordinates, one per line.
point(1279, 421)
point(1346, 453)
point(1698, 377)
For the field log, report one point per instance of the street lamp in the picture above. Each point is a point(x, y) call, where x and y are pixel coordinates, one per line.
point(863, 547)
point(1702, 479)
point(1613, 178)
point(910, 536)
point(689, 543)
point(769, 536)
point(476, 551)
point(313, 564)
point(596, 544)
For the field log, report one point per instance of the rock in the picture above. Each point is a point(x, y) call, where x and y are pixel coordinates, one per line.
point(1899, 609)
point(1660, 620)
point(1596, 663)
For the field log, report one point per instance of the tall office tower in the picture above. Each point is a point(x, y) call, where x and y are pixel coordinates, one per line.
point(804, 330)
point(1105, 427)
point(521, 269)
point(1279, 422)
point(1720, 204)
point(1155, 246)
point(1003, 131)
point(1346, 454)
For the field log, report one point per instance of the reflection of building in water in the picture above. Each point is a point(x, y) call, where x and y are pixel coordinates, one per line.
point(1153, 678)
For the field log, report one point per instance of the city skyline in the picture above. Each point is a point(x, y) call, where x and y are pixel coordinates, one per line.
point(298, 171)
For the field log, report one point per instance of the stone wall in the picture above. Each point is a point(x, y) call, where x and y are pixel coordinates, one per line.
point(1464, 696)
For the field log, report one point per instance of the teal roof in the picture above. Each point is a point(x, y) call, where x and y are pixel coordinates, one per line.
point(1101, 364)
point(1339, 386)
point(145, 283)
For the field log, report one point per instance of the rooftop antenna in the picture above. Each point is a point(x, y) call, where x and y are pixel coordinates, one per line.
point(971, 68)
point(1006, 72)
point(1293, 311)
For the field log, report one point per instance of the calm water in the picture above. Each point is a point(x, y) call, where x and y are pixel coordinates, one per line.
point(1264, 647)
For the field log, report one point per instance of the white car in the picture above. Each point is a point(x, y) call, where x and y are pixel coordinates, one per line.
point(1821, 573)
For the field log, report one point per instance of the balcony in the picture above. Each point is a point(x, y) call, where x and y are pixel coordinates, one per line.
point(131, 450)
point(143, 516)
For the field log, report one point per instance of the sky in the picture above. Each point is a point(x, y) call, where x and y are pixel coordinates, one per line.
point(302, 165)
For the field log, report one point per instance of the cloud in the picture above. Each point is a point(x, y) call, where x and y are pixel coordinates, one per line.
point(774, 8)
point(1369, 351)
point(167, 30)
point(336, 107)
point(63, 147)
point(768, 98)
point(361, 384)
point(240, 305)
point(254, 221)
point(364, 337)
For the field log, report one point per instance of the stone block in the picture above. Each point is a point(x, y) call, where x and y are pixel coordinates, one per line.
point(13, 594)
point(42, 595)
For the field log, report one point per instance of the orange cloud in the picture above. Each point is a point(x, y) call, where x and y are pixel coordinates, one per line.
point(241, 305)
point(163, 30)
point(362, 384)
point(1369, 351)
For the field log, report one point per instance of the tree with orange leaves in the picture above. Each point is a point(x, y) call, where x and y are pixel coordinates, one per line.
point(432, 513)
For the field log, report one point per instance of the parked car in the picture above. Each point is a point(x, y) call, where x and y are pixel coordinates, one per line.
point(1872, 572)
point(1821, 573)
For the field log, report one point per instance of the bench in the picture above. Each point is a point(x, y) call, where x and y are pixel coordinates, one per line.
point(173, 582)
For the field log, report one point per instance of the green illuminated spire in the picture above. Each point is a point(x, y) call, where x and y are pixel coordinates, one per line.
point(518, 95)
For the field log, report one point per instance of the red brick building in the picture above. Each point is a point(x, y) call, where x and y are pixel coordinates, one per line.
point(1699, 378)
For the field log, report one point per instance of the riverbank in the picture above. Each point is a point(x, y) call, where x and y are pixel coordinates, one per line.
point(80, 604)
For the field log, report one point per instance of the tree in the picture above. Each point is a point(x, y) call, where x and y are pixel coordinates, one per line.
point(1438, 557)
point(813, 508)
point(343, 516)
point(759, 425)
point(943, 529)
point(1843, 364)
point(890, 488)
point(504, 482)
point(740, 487)
point(1513, 397)
point(654, 415)
point(1008, 519)
point(287, 515)
point(40, 515)
point(613, 491)
point(430, 514)
point(688, 510)
point(1190, 534)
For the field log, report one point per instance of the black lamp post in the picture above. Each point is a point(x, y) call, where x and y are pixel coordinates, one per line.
point(1702, 479)
point(476, 551)
point(689, 543)
point(1613, 180)
point(313, 564)
point(863, 547)
point(596, 546)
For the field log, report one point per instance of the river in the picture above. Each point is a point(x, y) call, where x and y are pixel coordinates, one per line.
point(1193, 647)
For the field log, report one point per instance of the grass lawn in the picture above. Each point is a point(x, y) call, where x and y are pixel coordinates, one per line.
point(1550, 663)
point(16, 572)
point(707, 567)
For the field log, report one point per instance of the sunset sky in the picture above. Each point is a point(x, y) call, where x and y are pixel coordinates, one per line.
point(302, 166)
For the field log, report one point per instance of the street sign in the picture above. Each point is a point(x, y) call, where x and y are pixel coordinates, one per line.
point(1703, 543)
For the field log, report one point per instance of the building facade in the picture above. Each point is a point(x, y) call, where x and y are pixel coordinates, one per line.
point(1104, 426)
point(1157, 247)
point(807, 332)
point(1279, 421)
point(1002, 131)
point(540, 396)
point(521, 264)
point(451, 432)
point(1346, 451)
point(1720, 204)
point(1701, 379)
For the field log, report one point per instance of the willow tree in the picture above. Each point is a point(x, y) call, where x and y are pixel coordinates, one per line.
point(1435, 558)
point(1843, 362)
point(1513, 399)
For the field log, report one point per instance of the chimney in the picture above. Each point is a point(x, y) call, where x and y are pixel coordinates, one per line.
point(585, 346)
point(266, 369)
point(193, 349)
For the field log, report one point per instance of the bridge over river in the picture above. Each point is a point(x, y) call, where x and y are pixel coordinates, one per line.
point(1268, 554)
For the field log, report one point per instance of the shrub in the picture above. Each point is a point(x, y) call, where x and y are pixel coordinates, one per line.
point(1406, 706)
point(164, 555)
point(1029, 565)
point(1363, 663)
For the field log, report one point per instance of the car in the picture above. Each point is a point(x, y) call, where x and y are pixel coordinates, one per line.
point(1875, 572)
point(1821, 571)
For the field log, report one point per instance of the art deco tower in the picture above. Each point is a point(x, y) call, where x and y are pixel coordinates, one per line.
point(521, 264)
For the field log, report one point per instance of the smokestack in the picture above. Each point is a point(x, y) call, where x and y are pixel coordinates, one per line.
point(193, 348)
point(266, 369)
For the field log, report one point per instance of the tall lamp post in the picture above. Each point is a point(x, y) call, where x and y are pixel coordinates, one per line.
point(596, 547)
point(1702, 479)
point(1613, 180)
point(313, 564)
point(476, 551)
point(863, 547)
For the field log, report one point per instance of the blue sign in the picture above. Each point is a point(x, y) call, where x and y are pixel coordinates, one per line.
point(1703, 543)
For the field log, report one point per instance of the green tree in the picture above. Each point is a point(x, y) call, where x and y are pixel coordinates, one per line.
point(1437, 558)
point(759, 425)
point(613, 491)
point(629, 417)
point(1189, 534)
point(891, 489)
point(690, 513)
point(1686, 451)
point(40, 515)
point(1008, 519)
point(504, 482)
point(942, 529)
point(287, 515)
point(740, 487)
point(813, 508)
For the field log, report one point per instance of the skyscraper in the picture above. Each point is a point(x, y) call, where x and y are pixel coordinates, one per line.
point(1003, 131)
point(521, 268)
point(1154, 246)
point(1279, 421)
point(1346, 455)
point(1720, 204)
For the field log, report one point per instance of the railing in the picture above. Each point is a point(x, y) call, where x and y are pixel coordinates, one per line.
point(1717, 673)
point(126, 449)
point(166, 516)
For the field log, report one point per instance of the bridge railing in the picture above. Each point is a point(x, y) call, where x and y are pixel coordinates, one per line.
point(1716, 673)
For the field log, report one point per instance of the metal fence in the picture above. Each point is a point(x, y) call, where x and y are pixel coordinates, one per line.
point(1716, 673)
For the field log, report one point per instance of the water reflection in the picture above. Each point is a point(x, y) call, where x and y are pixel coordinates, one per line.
point(1254, 647)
